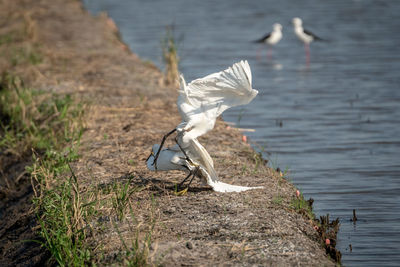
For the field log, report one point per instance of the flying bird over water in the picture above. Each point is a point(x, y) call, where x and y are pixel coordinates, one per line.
point(305, 36)
point(200, 103)
point(271, 38)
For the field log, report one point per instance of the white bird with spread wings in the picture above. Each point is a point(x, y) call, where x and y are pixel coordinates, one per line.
point(200, 103)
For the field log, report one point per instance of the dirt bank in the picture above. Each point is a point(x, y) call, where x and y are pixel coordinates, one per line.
point(131, 109)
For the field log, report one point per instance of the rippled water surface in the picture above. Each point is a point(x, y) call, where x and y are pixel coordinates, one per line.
point(335, 123)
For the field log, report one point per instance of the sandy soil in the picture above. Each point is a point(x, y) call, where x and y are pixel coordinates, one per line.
point(131, 109)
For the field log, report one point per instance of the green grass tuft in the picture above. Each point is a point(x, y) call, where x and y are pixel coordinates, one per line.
point(32, 119)
point(137, 252)
point(303, 206)
point(25, 55)
point(51, 126)
point(7, 38)
point(122, 193)
point(61, 211)
point(277, 200)
point(121, 199)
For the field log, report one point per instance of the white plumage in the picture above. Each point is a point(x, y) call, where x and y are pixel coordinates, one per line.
point(169, 159)
point(200, 103)
point(273, 37)
point(305, 36)
point(300, 33)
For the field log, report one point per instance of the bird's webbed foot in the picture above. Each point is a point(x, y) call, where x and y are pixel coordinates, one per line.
point(192, 174)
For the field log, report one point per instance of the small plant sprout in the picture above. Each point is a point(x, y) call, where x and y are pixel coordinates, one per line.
point(121, 199)
point(240, 116)
point(277, 200)
point(303, 206)
point(131, 162)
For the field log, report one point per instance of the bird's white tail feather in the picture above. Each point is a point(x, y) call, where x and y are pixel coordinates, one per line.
point(227, 188)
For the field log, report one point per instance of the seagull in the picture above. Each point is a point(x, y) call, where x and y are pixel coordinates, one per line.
point(272, 38)
point(200, 103)
point(305, 36)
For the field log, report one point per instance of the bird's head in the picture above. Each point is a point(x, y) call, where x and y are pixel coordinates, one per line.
point(297, 22)
point(277, 27)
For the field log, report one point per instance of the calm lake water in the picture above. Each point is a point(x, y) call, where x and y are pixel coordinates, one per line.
point(335, 123)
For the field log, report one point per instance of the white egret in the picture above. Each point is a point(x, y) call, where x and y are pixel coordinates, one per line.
point(170, 159)
point(201, 101)
point(271, 38)
point(199, 104)
point(305, 36)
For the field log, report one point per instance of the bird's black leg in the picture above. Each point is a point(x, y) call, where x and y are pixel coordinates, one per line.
point(183, 151)
point(161, 145)
point(194, 175)
point(151, 154)
point(184, 180)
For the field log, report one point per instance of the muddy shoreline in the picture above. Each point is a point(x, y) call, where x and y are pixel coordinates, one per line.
point(82, 55)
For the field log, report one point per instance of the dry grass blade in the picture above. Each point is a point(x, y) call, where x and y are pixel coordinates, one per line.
point(171, 58)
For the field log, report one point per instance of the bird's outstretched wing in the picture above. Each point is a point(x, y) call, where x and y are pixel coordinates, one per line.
point(219, 91)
